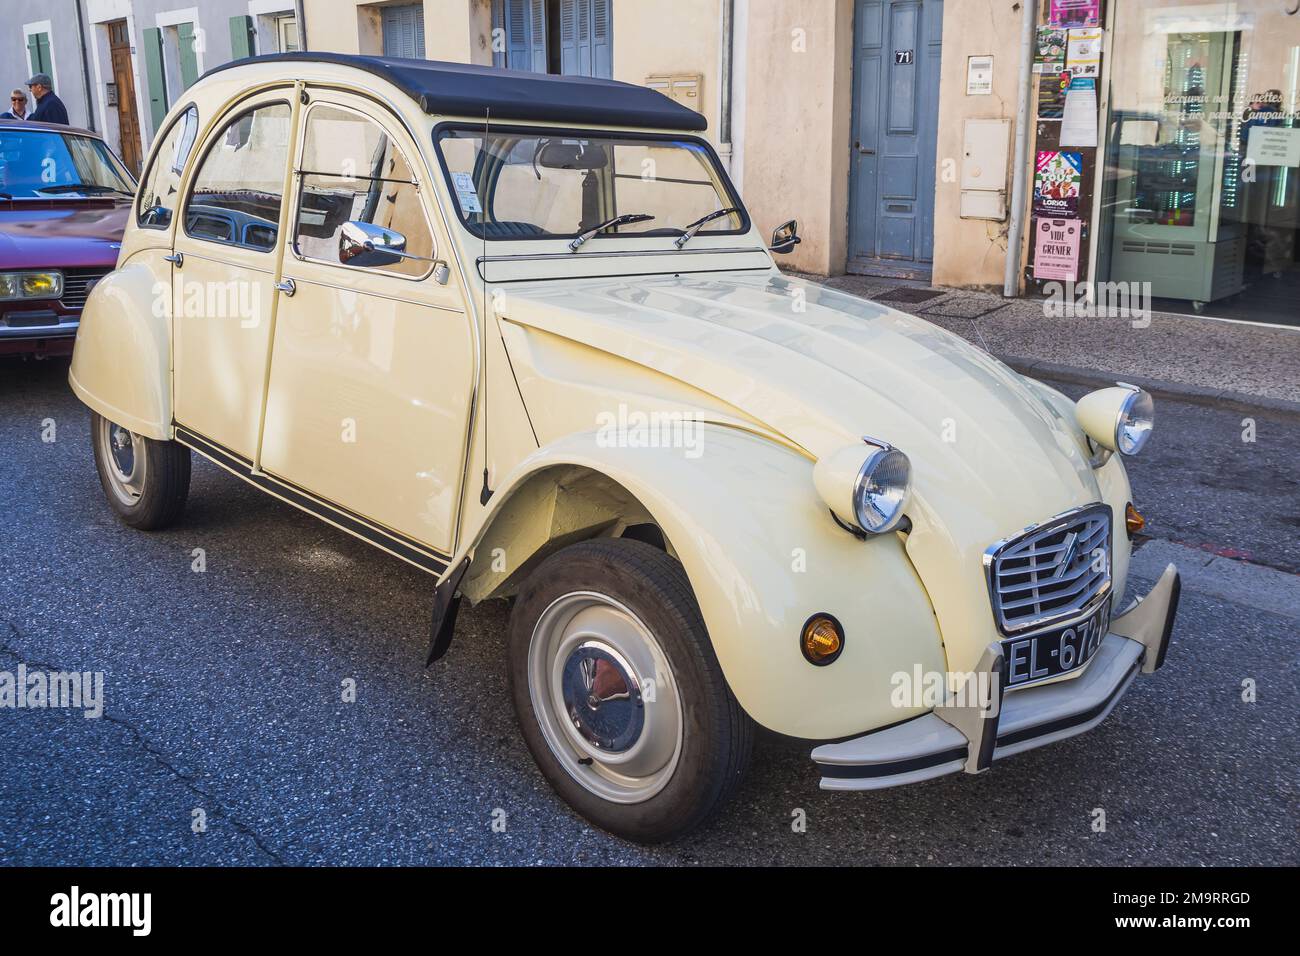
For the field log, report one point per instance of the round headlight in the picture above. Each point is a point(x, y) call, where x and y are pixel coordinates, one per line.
point(1117, 419)
point(1136, 417)
point(881, 491)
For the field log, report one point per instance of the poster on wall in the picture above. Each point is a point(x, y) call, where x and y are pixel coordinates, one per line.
point(1051, 94)
point(1075, 13)
point(1058, 181)
point(1056, 249)
point(1079, 120)
point(1049, 51)
point(1083, 51)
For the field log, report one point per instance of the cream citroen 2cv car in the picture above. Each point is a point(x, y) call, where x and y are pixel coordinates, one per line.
point(520, 331)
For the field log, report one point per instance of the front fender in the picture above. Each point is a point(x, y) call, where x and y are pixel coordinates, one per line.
point(763, 554)
point(121, 363)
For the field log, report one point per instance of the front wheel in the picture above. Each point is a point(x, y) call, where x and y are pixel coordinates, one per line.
point(146, 481)
point(619, 694)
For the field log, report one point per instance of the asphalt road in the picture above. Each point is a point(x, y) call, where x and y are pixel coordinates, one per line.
point(224, 694)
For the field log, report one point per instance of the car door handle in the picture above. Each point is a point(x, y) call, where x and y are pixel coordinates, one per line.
point(175, 258)
point(287, 287)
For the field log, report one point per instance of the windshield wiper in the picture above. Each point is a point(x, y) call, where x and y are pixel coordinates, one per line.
point(689, 232)
point(82, 188)
point(623, 220)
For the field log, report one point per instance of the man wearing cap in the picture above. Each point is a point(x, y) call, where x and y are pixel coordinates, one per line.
point(49, 108)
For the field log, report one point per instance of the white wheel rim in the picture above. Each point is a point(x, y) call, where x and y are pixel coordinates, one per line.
point(605, 697)
point(124, 461)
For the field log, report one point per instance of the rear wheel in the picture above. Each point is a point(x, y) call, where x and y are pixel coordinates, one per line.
point(619, 694)
point(146, 481)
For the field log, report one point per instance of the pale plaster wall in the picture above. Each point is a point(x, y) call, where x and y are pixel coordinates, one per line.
point(972, 252)
point(798, 117)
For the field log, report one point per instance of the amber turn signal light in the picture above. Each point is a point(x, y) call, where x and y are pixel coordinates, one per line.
point(822, 639)
point(1133, 521)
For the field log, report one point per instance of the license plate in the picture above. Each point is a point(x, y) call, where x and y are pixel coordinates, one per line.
point(1036, 657)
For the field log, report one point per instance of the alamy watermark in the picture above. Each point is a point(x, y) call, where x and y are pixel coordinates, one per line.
point(40, 690)
point(628, 428)
point(921, 689)
point(1099, 300)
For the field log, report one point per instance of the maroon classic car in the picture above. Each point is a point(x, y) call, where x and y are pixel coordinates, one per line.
point(64, 199)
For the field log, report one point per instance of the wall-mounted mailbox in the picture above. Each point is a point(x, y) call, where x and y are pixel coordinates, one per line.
point(682, 87)
point(985, 146)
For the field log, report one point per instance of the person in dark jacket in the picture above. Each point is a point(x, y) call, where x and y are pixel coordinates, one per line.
point(49, 108)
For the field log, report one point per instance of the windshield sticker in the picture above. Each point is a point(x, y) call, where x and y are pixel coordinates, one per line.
point(466, 194)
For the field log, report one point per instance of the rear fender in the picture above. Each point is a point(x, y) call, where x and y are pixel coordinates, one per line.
point(121, 364)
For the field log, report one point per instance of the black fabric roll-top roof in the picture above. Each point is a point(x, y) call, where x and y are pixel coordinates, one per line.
point(463, 89)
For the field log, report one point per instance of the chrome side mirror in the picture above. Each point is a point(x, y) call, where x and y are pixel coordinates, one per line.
point(367, 245)
point(785, 237)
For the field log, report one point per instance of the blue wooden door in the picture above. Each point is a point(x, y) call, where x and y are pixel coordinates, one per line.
point(895, 126)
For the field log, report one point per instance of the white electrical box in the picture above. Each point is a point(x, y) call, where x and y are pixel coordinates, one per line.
point(985, 145)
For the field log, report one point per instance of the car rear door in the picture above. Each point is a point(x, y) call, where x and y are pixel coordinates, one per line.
point(223, 287)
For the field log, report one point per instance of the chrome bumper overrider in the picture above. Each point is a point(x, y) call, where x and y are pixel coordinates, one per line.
point(954, 738)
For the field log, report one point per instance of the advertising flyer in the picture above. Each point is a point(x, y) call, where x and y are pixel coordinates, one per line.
point(1051, 94)
point(1075, 13)
point(1056, 249)
point(1079, 120)
point(1058, 181)
point(1083, 51)
point(1049, 53)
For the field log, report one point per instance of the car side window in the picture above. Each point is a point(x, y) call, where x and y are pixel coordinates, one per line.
point(238, 189)
point(158, 191)
point(352, 170)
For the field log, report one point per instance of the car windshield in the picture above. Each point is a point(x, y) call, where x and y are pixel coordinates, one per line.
point(533, 184)
point(50, 165)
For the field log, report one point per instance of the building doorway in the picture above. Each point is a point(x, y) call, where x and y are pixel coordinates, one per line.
point(895, 130)
point(128, 122)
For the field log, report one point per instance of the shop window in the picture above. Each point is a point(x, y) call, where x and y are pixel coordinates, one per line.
point(1201, 187)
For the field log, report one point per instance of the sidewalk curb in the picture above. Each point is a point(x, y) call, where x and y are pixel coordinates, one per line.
point(1195, 394)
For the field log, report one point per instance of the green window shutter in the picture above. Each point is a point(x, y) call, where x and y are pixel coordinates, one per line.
point(153, 62)
point(241, 37)
point(189, 61)
point(38, 52)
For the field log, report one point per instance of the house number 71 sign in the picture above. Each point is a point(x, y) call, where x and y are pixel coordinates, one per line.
point(902, 56)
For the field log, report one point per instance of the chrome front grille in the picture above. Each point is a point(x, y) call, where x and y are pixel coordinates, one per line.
point(77, 284)
point(1051, 572)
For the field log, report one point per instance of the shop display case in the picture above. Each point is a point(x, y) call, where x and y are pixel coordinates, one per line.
point(1174, 176)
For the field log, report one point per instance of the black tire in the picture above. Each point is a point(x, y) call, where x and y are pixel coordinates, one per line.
point(716, 737)
point(164, 485)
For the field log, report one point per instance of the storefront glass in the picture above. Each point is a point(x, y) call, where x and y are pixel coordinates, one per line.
point(1201, 185)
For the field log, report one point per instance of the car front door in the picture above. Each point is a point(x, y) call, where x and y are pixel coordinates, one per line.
point(372, 367)
point(223, 289)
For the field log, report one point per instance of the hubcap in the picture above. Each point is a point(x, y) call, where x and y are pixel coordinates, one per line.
point(124, 461)
point(605, 697)
point(602, 698)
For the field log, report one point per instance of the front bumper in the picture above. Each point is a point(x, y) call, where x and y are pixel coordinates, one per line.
point(955, 738)
point(45, 330)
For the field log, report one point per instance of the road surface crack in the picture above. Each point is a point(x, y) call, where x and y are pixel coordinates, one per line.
point(212, 806)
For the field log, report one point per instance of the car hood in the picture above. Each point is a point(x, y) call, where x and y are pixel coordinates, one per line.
point(992, 452)
point(61, 233)
point(825, 369)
